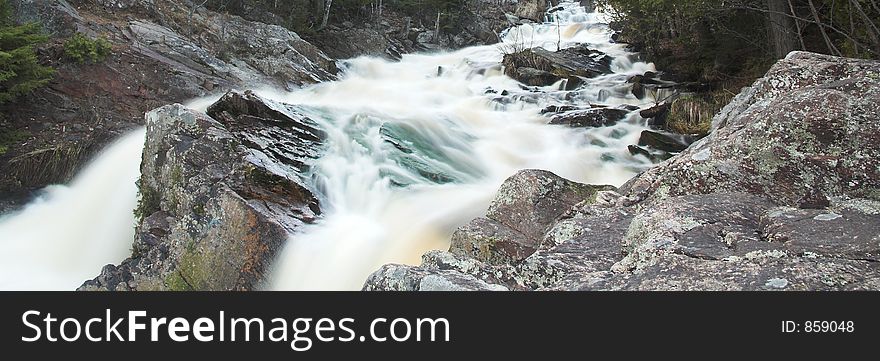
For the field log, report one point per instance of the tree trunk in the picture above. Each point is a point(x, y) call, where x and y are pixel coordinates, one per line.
point(870, 27)
point(797, 23)
point(326, 15)
point(437, 28)
point(783, 36)
point(832, 49)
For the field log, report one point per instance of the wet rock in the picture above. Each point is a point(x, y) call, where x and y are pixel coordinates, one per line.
point(653, 155)
point(669, 143)
point(556, 109)
point(657, 114)
point(533, 10)
point(597, 117)
point(572, 63)
point(220, 193)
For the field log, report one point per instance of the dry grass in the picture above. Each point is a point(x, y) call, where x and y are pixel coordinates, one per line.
point(693, 114)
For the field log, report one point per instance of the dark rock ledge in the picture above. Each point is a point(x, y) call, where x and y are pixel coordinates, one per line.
point(783, 195)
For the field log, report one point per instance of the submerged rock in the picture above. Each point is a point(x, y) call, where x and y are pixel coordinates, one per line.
point(219, 194)
point(784, 195)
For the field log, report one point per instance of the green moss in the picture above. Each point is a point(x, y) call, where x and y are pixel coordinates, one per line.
point(177, 176)
point(199, 210)
point(191, 271)
point(589, 193)
point(176, 282)
point(82, 49)
point(148, 202)
point(486, 248)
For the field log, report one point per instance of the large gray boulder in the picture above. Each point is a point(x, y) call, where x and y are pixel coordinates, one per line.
point(526, 206)
point(220, 193)
point(803, 134)
point(784, 195)
point(58, 18)
point(232, 52)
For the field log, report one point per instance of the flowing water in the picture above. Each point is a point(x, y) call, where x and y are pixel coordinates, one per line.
point(67, 234)
point(419, 147)
point(415, 149)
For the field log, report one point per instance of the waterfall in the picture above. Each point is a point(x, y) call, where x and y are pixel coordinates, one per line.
point(68, 233)
point(415, 149)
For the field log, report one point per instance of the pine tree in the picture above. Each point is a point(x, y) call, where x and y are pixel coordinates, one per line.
point(20, 70)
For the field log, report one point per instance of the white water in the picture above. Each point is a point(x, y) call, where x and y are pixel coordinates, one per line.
point(65, 236)
point(378, 208)
point(369, 221)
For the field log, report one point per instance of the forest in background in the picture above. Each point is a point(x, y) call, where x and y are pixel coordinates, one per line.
point(730, 41)
point(309, 16)
point(717, 47)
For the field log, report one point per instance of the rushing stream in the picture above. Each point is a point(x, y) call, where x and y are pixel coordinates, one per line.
point(415, 149)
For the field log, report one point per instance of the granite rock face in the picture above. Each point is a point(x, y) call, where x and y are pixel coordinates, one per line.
point(219, 195)
point(783, 195)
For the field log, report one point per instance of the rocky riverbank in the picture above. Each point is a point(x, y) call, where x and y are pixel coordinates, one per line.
point(169, 52)
point(160, 55)
point(783, 195)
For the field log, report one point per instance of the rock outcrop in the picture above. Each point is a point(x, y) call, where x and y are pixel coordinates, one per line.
point(219, 195)
point(783, 195)
point(160, 55)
